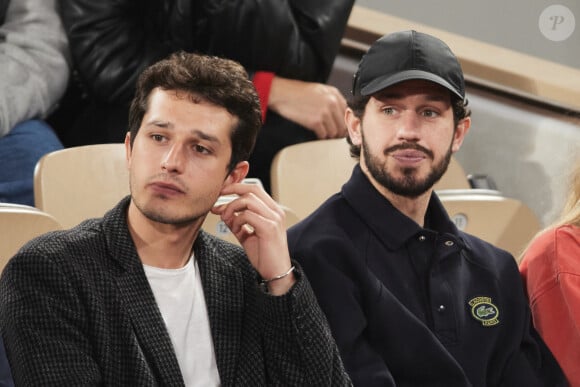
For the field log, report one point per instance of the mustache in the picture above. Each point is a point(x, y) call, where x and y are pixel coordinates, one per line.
point(409, 145)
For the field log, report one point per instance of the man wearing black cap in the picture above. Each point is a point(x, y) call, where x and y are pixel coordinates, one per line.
point(411, 300)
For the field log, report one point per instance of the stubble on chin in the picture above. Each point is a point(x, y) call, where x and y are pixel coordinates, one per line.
point(164, 213)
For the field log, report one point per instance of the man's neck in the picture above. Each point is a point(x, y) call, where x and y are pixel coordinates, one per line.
point(161, 245)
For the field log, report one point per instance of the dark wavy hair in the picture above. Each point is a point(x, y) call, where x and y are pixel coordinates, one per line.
point(359, 103)
point(220, 81)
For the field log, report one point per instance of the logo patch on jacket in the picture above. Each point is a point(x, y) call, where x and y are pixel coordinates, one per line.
point(484, 311)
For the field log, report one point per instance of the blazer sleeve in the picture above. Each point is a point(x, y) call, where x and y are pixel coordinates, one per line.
point(34, 62)
point(43, 325)
point(298, 346)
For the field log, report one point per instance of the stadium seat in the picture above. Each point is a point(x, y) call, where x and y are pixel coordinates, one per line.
point(504, 222)
point(78, 183)
point(18, 225)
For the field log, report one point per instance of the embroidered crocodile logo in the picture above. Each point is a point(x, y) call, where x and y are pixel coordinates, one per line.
point(484, 311)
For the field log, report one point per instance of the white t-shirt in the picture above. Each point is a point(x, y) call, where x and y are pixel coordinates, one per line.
point(180, 298)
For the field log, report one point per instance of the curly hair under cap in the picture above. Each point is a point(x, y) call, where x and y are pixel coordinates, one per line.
point(222, 82)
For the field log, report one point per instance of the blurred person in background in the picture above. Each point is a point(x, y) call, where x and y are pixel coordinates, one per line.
point(550, 267)
point(35, 70)
point(287, 47)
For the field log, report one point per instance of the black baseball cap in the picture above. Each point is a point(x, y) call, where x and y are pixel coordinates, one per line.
point(406, 55)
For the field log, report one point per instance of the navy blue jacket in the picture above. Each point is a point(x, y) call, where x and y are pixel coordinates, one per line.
point(412, 306)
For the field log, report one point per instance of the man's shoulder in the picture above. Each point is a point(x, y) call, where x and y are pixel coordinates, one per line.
point(482, 247)
point(63, 246)
point(80, 236)
point(489, 256)
point(331, 235)
point(329, 222)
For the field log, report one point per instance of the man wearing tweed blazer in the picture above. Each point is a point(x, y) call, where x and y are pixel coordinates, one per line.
point(143, 296)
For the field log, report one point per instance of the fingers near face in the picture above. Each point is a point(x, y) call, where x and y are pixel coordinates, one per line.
point(252, 207)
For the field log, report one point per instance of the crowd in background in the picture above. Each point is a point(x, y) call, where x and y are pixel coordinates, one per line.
point(35, 67)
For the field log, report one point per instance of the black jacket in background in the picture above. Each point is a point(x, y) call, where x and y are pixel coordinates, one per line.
point(112, 41)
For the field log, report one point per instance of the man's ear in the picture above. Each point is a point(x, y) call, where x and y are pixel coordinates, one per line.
point(460, 133)
point(353, 124)
point(128, 149)
point(238, 173)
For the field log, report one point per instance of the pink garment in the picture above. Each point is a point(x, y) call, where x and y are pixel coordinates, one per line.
point(551, 272)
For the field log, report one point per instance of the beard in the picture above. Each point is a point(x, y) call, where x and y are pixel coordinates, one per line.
point(409, 185)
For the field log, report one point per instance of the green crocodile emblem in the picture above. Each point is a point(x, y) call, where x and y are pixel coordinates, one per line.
point(484, 311)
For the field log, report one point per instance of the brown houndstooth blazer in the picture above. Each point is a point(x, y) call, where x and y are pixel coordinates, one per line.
point(76, 310)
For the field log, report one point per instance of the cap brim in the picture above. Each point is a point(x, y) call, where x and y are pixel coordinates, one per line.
point(381, 83)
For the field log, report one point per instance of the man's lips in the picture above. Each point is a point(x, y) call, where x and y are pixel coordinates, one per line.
point(409, 156)
point(409, 150)
point(166, 187)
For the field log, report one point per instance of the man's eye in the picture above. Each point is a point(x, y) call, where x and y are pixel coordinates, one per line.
point(201, 149)
point(157, 137)
point(388, 110)
point(430, 113)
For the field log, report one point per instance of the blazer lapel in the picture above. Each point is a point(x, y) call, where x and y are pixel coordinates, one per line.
point(224, 296)
point(149, 327)
point(139, 301)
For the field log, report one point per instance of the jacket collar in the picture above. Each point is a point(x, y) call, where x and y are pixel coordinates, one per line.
point(223, 287)
point(389, 224)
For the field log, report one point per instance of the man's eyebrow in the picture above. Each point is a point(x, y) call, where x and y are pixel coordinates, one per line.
point(205, 136)
point(160, 124)
point(196, 132)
